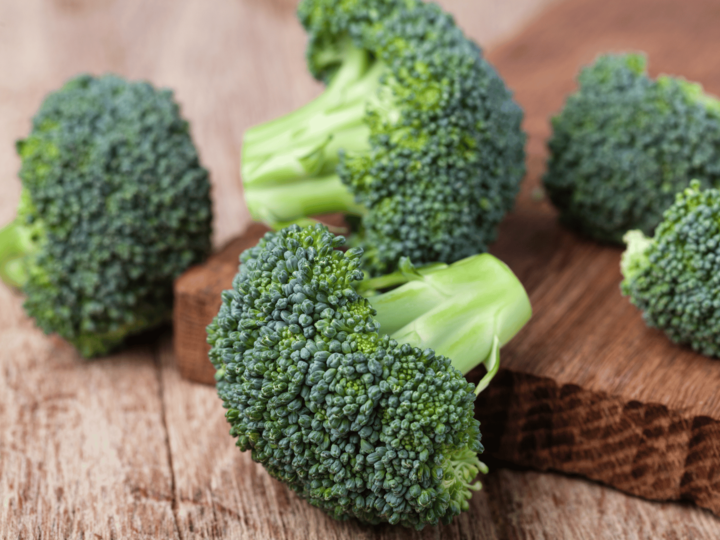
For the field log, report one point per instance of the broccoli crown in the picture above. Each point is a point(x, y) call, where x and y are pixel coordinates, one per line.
point(329, 22)
point(446, 155)
point(354, 422)
point(624, 144)
point(419, 130)
point(673, 277)
point(116, 205)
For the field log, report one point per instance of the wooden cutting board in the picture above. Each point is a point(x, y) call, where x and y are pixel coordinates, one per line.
point(586, 387)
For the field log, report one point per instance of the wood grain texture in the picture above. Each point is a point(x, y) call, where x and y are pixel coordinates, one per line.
point(123, 447)
point(76, 459)
point(586, 387)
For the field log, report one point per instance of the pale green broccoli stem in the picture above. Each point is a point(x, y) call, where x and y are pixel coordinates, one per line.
point(278, 205)
point(355, 64)
point(283, 160)
point(634, 259)
point(406, 272)
point(465, 311)
point(15, 244)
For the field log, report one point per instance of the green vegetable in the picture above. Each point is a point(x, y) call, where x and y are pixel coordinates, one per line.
point(625, 144)
point(114, 206)
point(350, 397)
point(416, 135)
point(673, 277)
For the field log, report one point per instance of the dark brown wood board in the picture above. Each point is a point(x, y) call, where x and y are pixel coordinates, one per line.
point(123, 447)
point(586, 387)
point(197, 301)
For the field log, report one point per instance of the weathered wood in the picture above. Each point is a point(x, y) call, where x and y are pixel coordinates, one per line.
point(122, 447)
point(586, 387)
point(82, 444)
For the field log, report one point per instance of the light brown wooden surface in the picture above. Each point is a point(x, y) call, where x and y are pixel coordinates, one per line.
point(122, 447)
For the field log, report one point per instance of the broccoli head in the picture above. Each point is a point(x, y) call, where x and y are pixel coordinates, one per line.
point(624, 144)
point(416, 137)
point(673, 277)
point(114, 206)
point(350, 397)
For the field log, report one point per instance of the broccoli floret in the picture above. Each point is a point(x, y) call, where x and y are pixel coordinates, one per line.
point(625, 144)
point(350, 397)
point(114, 206)
point(673, 277)
point(416, 135)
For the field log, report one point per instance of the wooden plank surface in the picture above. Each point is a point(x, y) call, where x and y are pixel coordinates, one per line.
point(83, 446)
point(122, 447)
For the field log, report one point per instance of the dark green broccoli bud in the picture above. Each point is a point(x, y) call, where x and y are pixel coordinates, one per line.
point(416, 134)
point(114, 206)
point(349, 396)
point(624, 144)
point(673, 277)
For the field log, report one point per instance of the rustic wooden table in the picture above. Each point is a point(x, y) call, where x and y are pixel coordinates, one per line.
point(122, 447)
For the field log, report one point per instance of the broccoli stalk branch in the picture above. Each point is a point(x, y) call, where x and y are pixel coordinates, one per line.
point(15, 244)
point(465, 311)
point(288, 165)
point(277, 205)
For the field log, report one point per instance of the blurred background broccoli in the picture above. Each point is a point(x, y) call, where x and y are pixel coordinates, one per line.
point(625, 144)
point(114, 205)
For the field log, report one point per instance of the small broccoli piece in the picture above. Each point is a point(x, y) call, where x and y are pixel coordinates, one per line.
point(673, 277)
point(416, 135)
point(349, 396)
point(114, 206)
point(624, 144)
